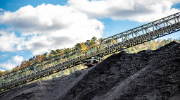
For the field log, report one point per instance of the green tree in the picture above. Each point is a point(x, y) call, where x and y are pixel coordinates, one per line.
point(45, 58)
point(78, 46)
point(91, 43)
point(83, 47)
point(6, 71)
point(1, 73)
point(53, 52)
point(46, 54)
point(94, 39)
point(38, 59)
point(31, 59)
point(87, 42)
point(50, 56)
point(67, 50)
point(59, 50)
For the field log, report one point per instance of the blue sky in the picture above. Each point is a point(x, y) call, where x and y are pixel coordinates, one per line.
point(32, 27)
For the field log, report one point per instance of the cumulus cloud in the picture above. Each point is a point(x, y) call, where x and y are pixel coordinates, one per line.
point(9, 41)
point(17, 59)
point(41, 44)
point(2, 70)
point(135, 10)
point(10, 64)
point(48, 26)
point(52, 26)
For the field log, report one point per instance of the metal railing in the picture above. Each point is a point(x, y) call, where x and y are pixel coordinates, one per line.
point(132, 37)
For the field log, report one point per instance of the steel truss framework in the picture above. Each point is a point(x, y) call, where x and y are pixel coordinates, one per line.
point(132, 37)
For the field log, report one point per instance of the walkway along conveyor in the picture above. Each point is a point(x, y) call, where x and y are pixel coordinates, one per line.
point(132, 37)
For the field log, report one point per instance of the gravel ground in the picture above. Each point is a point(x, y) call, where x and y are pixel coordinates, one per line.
point(146, 75)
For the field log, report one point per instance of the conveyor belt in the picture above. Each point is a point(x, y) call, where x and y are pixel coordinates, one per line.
point(132, 37)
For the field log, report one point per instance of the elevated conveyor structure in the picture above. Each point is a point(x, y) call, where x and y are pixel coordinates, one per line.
point(129, 38)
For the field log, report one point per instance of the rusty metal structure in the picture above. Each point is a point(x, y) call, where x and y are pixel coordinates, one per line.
point(123, 40)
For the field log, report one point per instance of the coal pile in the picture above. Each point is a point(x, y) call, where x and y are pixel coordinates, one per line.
point(146, 75)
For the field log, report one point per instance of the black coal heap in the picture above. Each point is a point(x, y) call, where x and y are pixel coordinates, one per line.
point(146, 75)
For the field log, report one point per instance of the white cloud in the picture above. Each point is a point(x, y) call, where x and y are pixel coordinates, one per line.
point(136, 10)
point(10, 64)
point(2, 70)
point(52, 26)
point(8, 41)
point(47, 27)
point(17, 59)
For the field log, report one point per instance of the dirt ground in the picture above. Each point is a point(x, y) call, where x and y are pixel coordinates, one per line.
point(146, 75)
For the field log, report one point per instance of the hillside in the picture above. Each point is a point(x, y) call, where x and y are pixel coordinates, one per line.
point(146, 75)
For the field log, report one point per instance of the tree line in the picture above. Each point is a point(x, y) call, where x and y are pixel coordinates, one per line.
point(46, 57)
point(151, 45)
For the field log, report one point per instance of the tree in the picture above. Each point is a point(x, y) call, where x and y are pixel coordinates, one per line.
point(29, 63)
point(16, 68)
point(94, 39)
point(6, 71)
point(23, 64)
point(1, 73)
point(50, 56)
point(59, 51)
point(53, 52)
point(45, 54)
point(78, 46)
point(44, 58)
point(31, 59)
point(87, 42)
point(83, 47)
point(99, 40)
point(91, 43)
point(100, 43)
point(67, 50)
point(38, 59)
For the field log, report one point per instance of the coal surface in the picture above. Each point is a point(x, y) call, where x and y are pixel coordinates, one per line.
point(146, 75)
